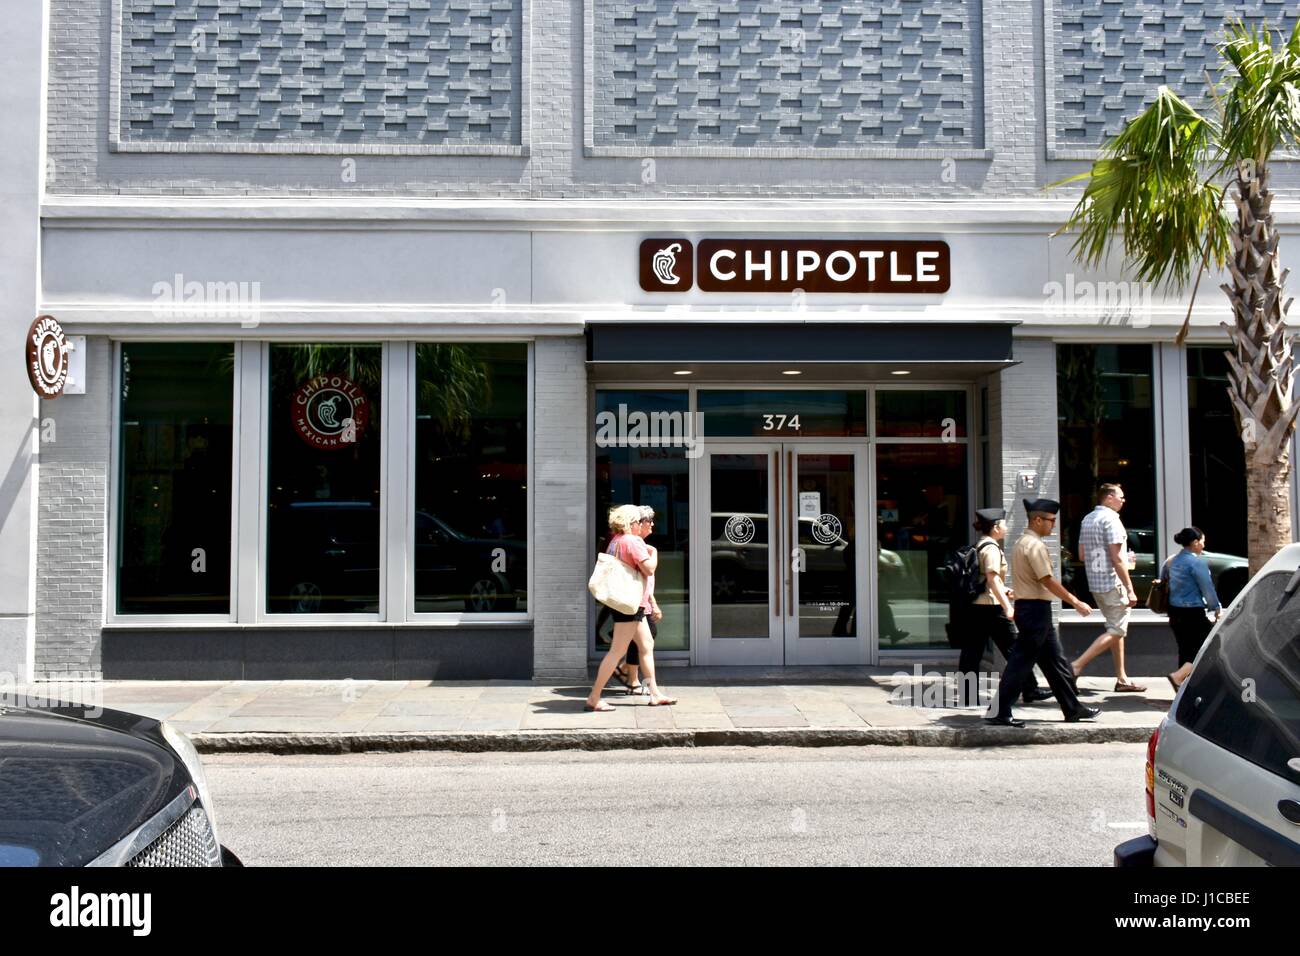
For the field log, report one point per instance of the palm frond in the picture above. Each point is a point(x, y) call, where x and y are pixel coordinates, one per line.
point(1262, 102)
point(1152, 191)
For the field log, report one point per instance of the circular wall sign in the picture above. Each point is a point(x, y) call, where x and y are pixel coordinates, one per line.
point(47, 357)
point(330, 412)
point(739, 529)
point(826, 529)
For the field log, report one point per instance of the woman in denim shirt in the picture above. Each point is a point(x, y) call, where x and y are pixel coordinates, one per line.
point(1191, 594)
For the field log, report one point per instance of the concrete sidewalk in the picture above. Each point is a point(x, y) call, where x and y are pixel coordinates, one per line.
point(871, 706)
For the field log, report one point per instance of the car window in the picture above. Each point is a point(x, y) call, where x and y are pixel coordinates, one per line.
point(1245, 692)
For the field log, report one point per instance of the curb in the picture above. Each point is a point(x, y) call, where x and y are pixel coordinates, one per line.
point(547, 740)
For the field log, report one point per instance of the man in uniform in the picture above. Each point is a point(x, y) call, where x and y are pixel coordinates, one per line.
point(1037, 643)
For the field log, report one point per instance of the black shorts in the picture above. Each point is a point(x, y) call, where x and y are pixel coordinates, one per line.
point(621, 618)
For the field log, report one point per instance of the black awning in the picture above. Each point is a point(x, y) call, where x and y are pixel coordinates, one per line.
point(795, 342)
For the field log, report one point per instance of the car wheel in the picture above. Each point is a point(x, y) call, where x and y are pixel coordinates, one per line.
point(490, 594)
point(726, 584)
point(305, 598)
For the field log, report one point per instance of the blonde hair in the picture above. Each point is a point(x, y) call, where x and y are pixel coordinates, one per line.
point(622, 517)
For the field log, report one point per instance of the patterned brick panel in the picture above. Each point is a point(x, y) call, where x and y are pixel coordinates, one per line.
point(784, 75)
point(1107, 58)
point(311, 75)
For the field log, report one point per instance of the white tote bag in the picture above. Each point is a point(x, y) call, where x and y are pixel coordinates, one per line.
point(616, 585)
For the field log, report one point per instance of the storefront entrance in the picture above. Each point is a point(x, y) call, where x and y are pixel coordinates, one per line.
point(783, 581)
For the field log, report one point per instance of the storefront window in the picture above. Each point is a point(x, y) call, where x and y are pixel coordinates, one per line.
point(177, 403)
point(783, 414)
point(1107, 435)
point(922, 513)
point(655, 474)
point(471, 477)
point(920, 413)
point(322, 547)
point(1218, 470)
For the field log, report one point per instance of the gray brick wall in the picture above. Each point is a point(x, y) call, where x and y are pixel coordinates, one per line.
point(1022, 406)
point(1108, 59)
point(314, 75)
point(1006, 117)
point(560, 501)
point(73, 516)
point(786, 75)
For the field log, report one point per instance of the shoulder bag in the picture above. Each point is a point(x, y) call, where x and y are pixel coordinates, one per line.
point(616, 584)
point(1158, 596)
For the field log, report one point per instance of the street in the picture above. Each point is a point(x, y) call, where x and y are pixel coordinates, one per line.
point(1064, 805)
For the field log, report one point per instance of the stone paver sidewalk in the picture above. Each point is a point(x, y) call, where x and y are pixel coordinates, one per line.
point(877, 700)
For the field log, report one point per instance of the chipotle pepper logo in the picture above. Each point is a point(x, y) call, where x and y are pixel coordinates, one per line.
point(47, 357)
point(330, 412)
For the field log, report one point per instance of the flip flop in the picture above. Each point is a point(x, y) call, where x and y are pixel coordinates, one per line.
point(1123, 688)
point(666, 702)
point(620, 675)
point(602, 707)
point(1170, 678)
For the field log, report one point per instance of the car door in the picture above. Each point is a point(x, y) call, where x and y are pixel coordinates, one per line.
point(1227, 768)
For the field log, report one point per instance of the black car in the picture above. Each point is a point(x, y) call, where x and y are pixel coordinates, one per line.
point(92, 787)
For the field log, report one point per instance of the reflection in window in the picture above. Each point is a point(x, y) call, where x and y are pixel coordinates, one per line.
point(176, 441)
point(1218, 470)
point(920, 413)
point(471, 477)
point(322, 546)
point(653, 475)
point(922, 513)
point(1107, 434)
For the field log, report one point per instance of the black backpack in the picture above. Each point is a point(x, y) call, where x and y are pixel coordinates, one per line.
point(965, 582)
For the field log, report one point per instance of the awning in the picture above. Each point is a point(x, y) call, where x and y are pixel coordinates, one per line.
point(819, 350)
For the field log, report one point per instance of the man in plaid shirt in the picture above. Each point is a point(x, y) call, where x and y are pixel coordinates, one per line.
point(1103, 549)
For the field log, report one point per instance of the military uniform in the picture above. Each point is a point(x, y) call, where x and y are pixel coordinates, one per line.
point(1036, 642)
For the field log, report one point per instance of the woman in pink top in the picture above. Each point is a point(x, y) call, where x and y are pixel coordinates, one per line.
point(628, 545)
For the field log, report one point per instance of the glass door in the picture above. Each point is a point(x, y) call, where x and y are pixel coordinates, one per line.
point(783, 580)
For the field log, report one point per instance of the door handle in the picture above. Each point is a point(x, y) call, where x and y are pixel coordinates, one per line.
point(793, 518)
point(1289, 809)
point(774, 537)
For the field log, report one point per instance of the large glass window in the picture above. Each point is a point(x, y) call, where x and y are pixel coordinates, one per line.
point(176, 414)
point(1106, 418)
point(1218, 470)
point(649, 471)
point(471, 477)
point(920, 413)
point(922, 513)
point(323, 487)
point(783, 414)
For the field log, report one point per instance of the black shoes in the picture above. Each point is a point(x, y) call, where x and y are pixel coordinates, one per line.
point(1042, 693)
point(1004, 721)
point(1084, 713)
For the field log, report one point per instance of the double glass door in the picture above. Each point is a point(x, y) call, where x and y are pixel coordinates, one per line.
point(783, 582)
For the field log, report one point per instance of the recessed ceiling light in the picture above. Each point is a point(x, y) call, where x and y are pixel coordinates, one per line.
point(792, 372)
point(684, 372)
point(901, 371)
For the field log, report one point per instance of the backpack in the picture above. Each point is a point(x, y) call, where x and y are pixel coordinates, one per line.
point(965, 581)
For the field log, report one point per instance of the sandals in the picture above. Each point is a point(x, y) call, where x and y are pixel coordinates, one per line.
point(1176, 684)
point(602, 707)
point(666, 702)
point(620, 675)
point(1121, 687)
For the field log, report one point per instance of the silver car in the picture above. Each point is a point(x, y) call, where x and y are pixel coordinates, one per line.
point(1223, 769)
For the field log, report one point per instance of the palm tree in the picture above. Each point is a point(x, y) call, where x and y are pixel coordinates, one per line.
point(1158, 190)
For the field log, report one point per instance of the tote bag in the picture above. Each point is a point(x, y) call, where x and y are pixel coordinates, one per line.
point(616, 585)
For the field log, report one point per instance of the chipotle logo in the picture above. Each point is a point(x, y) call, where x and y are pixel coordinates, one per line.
point(330, 412)
point(851, 266)
point(47, 357)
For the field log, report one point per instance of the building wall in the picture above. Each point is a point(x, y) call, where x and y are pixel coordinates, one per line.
point(560, 544)
point(962, 98)
point(74, 481)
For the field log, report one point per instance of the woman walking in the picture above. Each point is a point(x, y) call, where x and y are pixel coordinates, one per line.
point(628, 545)
point(627, 672)
point(1191, 595)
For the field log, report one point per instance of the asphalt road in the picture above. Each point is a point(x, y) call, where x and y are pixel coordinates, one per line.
point(1041, 805)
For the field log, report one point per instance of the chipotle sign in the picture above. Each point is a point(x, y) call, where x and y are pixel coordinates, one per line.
point(854, 266)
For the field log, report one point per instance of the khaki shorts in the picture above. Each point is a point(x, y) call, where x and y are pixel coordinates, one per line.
point(1114, 608)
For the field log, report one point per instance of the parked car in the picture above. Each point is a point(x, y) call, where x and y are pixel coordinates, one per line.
point(1228, 571)
point(112, 789)
point(335, 563)
point(1223, 768)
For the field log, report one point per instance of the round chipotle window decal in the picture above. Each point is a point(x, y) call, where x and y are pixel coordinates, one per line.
point(47, 357)
point(330, 411)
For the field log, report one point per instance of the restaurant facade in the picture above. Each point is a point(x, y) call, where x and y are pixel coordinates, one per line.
point(375, 309)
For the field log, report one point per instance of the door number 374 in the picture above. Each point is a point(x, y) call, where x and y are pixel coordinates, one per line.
point(780, 422)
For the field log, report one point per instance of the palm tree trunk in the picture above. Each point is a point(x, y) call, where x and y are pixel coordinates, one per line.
point(1261, 365)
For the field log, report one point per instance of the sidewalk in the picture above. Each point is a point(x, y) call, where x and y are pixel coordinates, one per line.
point(856, 706)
